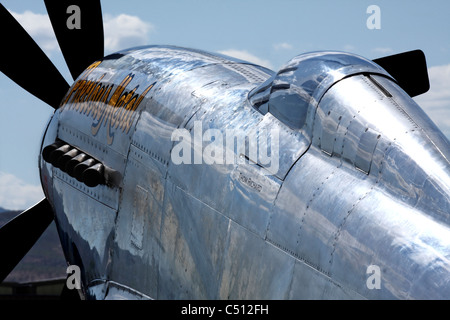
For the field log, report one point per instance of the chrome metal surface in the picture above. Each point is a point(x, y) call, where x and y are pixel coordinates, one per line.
point(360, 177)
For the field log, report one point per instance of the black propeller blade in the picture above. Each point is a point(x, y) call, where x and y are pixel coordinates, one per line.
point(27, 65)
point(19, 235)
point(78, 26)
point(409, 69)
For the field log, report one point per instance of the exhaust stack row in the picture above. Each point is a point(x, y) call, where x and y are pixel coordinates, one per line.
point(76, 164)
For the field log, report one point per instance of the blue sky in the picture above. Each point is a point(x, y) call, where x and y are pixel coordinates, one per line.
point(265, 32)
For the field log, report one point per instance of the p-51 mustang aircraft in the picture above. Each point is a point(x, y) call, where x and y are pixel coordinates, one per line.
point(174, 173)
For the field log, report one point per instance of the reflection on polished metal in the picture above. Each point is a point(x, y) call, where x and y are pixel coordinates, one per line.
point(357, 207)
point(363, 181)
point(303, 81)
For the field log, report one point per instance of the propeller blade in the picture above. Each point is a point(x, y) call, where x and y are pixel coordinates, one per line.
point(19, 235)
point(27, 65)
point(409, 69)
point(78, 26)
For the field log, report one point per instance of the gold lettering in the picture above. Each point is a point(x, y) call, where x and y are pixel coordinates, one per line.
point(72, 90)
point(113, 108)
point(93, 96)
point(80, 82)
point(126, 123)
point(96, 95)
point(143, 95)
point(128, 119)
point(123, 104)
point(120, 89)
point(100, 116)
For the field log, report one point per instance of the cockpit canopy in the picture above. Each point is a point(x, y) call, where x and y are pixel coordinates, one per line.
point(295, 91)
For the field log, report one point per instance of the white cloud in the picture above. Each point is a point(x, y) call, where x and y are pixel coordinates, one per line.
point(349, 48)
point(383, 50)
point(283, 46)
point(125, 31)
point(245, 55)
point(436, 102)
point(121, 32)
point(39, 28)
point(15, 194)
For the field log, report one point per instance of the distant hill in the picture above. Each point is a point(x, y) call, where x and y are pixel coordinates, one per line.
point(6, 215)
point(44, 261)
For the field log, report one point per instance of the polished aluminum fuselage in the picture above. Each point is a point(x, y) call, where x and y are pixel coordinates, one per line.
point(362, 180)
